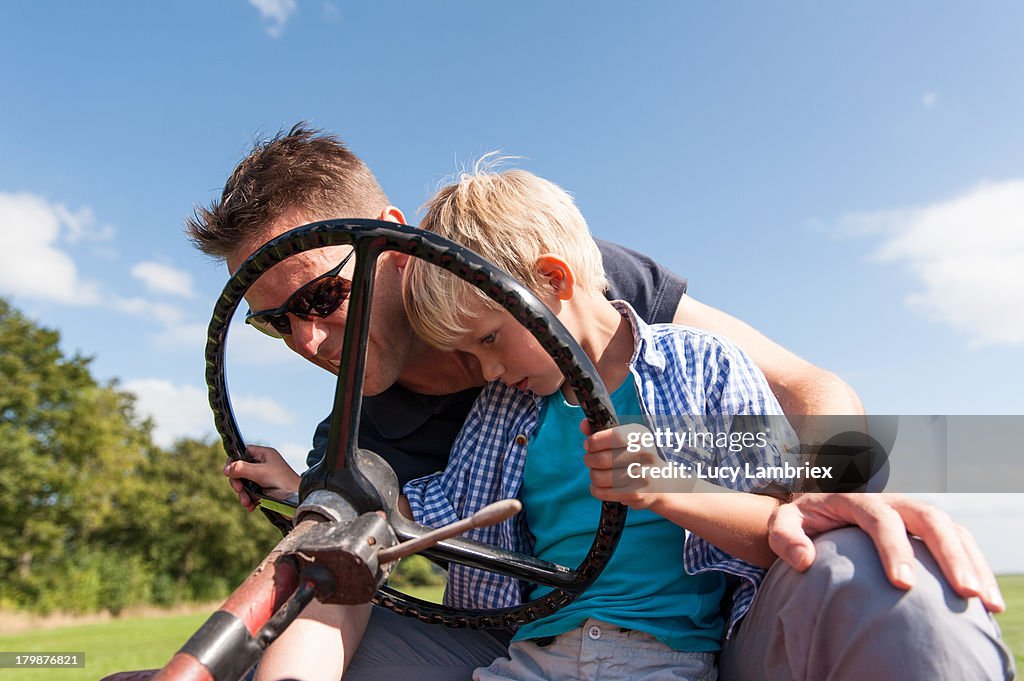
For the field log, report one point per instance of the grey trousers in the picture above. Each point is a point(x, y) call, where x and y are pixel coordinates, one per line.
point(842, 621)
point(839, 621)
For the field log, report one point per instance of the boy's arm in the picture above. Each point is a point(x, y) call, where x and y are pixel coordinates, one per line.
point(724, 385)
point(479, 466)
point(426, 501)
point(735, 522)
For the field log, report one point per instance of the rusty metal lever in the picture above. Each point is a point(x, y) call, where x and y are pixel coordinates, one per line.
point(492, 514)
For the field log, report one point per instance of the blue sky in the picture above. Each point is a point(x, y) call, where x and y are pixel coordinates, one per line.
point(847, 178)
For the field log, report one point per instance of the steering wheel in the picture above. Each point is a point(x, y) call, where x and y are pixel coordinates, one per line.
point(339, 471)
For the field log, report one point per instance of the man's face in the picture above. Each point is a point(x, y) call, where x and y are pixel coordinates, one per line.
point(320, 339)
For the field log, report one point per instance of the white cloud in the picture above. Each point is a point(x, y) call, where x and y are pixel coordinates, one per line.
point(275, 14)
point(160, 278)
point(264, 409)
point(331, 11)
point(295, 454)
point(32, 264)
point(249, 347)
point(930, 99)
point(173, 332)
point(177, 410)
point(81, 226)
point(991, 518)
point(967, 253)
point(245, 346)
point(35, 263)
point(181, 411)
point(167, 315)
point(181, 337)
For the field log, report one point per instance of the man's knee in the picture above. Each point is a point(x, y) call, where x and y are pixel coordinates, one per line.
point(847, 574)
point(847, 568)
point(850, 607)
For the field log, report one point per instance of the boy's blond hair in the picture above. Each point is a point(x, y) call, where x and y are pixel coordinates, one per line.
point(511, 218)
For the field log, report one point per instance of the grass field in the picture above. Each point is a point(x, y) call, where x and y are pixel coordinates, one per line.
point(119, 645)
point(109, 647)
point(149, 642)
point(1012, 621)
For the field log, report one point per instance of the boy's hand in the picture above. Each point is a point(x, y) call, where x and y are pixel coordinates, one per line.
point(269, 470)
point(609, 460)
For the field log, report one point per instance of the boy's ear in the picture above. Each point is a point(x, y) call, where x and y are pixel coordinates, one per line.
point(392, 214)
point(558, 275)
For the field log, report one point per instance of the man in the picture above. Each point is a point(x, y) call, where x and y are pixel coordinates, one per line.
point(817, 616)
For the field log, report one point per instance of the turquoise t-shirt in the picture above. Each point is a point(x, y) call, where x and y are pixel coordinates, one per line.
point(644, 586)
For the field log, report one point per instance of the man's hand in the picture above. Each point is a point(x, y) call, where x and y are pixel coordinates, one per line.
point(609, 459)
point(887, 518)
point(269, 470)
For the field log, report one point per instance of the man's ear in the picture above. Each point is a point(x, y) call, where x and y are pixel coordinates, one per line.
point(400, 259)
point(558, 275)
point(392, 214)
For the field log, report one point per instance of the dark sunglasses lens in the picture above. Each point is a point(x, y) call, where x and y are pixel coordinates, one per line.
point(276, 326)
point(322, 297)
point(281, 324)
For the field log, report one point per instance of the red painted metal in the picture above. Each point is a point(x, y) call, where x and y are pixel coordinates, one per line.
point(254, 602)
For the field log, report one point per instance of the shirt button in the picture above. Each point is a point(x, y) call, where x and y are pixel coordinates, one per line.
point(521, 440)
point(594, 632)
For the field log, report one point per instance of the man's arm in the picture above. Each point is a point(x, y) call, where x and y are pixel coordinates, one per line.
point(317, 646)
point(804, 389)
point(799, 386)
point(268, 469)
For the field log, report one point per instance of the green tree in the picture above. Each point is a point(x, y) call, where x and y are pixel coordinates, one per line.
point(189, 523)
point(64, 438)
point(92, 513)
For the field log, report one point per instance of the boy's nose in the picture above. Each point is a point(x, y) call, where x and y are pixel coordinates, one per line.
point(492, 371)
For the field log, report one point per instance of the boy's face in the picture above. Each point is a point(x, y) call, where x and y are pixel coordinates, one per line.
point(507, 352)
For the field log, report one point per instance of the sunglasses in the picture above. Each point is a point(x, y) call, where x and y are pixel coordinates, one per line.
point(320, 297)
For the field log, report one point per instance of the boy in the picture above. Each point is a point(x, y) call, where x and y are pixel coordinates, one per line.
point(658, 605)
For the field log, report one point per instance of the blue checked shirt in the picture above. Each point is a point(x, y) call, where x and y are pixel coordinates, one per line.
point(687, 379)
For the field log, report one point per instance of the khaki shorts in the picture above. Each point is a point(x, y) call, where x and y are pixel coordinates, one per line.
point(599, 651)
